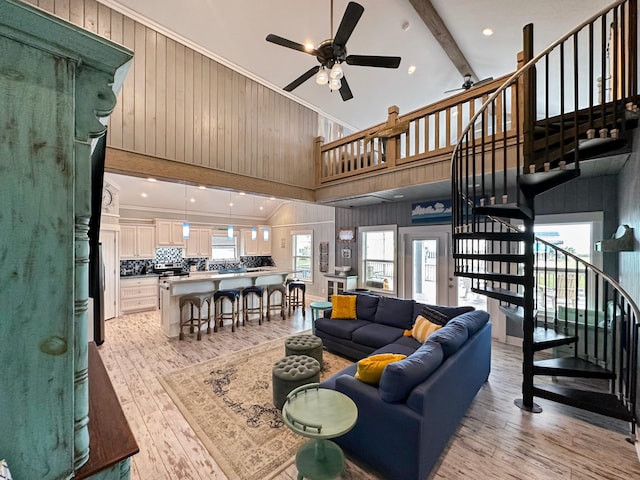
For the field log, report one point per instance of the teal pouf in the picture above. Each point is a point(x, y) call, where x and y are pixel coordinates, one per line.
point(290, 373)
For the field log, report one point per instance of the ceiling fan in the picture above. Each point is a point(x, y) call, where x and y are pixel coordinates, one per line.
point(468, 83)
point(332, 53)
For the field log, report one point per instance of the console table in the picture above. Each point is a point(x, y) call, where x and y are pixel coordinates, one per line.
point(337, 284)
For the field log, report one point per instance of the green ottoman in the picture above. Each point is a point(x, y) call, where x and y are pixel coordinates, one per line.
point(290, 373)
point(304, 345)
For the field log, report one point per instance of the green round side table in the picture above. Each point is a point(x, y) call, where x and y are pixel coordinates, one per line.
point(319, 414)
point(316, 309)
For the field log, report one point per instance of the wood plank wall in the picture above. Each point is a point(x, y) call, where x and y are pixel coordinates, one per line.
point(179, 105)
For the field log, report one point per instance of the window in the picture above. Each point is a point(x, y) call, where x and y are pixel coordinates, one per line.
point(379, 257)
point(223, 247)
point(302, 244)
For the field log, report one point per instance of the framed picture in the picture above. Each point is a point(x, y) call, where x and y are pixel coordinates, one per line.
point(347, 234)
point(438, 211)
point(346, 253)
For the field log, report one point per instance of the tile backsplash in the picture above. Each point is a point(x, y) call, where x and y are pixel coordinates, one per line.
point(174, 255)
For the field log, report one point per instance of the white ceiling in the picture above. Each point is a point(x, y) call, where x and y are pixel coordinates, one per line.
point(142, 194)
point(233, 32)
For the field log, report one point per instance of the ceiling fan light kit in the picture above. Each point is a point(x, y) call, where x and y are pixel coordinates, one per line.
point(332, 53)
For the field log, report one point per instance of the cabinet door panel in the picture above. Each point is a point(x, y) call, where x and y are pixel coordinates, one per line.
point(127, 241)
point(204, 242)
point(146, 242)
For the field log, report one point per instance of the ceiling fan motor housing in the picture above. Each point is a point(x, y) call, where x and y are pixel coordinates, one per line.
point(328, 53)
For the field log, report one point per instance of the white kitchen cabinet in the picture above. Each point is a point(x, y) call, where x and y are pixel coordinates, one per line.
point(138, 294)
point(258, 246)
point(199, 243)
point(264, 246)
point(249, 245)
point(137, 241)
point(169, 234)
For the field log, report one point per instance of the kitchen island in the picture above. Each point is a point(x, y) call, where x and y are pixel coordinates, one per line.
point(171, 288)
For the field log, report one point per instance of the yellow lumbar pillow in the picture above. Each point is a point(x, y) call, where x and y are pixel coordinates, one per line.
point(343, 306)
point(422, 328)
point(370, 368)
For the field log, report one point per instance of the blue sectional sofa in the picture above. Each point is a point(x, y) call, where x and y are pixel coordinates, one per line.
point(406, 421)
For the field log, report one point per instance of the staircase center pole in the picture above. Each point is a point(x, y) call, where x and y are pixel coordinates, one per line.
point(528, 324)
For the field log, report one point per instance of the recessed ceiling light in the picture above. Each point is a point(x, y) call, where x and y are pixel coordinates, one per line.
point(143, 195)
point(202, 187)
point(487, 31)
point(272, 198)
point(398, 196)
point(151, 179)
point(405, 26)
point(231, 204)
point(261, 208)
point(411, 69)
point(242, 193)
point(192, 200)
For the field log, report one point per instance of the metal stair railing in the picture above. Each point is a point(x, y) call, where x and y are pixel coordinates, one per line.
point(487, 186)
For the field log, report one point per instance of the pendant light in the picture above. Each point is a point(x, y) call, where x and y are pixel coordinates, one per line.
point(254, 230)
point(230, 227)
point(185, 224)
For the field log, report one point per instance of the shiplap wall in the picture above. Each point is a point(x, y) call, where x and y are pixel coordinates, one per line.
point(177, 104)
point(629, 213)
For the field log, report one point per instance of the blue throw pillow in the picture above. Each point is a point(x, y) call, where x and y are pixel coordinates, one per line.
point(366, 306)
point(400, 378)
point(396, 312)
point(450, 337)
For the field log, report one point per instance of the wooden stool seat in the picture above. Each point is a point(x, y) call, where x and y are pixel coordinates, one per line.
point(274, 306)
point(195, 301)
point(258, 292)
point(233, 296)
point(296, 295)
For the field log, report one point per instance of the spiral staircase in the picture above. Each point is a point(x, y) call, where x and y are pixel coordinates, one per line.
point(575, 101)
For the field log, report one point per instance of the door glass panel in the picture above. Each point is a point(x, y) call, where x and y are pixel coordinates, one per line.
point(425, 271)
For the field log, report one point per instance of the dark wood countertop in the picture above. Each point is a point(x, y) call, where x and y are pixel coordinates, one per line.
point(110, 437)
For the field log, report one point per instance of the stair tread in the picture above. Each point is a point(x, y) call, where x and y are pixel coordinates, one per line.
point(506, 210)
point(497, 277)
point(492, 257)
point(597, 402)
point(497, 236)
point(572, 367)
point(501, 294)
point(544, 338)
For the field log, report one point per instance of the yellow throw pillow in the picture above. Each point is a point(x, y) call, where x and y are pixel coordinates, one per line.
point(343, 307)
point(370, 368)
point(422, 328)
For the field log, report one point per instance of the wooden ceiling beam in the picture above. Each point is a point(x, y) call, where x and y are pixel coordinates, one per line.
point(438, 28)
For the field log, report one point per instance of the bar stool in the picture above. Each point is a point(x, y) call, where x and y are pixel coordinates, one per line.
point(296, 295)
point(274, 306)
point(253, 291)
point(193, 301)
point(233, 296)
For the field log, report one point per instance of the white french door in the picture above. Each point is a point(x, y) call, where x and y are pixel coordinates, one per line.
point(427, 265)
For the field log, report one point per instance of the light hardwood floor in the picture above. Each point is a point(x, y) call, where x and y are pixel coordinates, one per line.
point(495, 440)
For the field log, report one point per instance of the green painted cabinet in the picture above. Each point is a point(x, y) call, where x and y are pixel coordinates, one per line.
point(56, 80)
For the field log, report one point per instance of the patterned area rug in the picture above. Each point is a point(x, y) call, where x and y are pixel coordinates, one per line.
point(229, 404)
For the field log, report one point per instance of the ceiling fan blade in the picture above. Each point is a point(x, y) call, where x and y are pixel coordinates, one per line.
point(283, 42)
point(373, 61)
point(345, 91)
point(302, 78)
point(454, 90)
point(349, 20)
point(484, 80)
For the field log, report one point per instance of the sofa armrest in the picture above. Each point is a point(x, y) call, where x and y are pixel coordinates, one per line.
point(327, 313)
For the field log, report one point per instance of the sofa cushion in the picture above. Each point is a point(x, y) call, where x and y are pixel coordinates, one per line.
point(399, 378)
point(422, 329)
point(399, 347)
point(450, 337)
point(343, 307)
point(473, 321)
point(375, 335)
point(366, 306)
point(395, 312)
point(338, 328)
point(370, 369)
